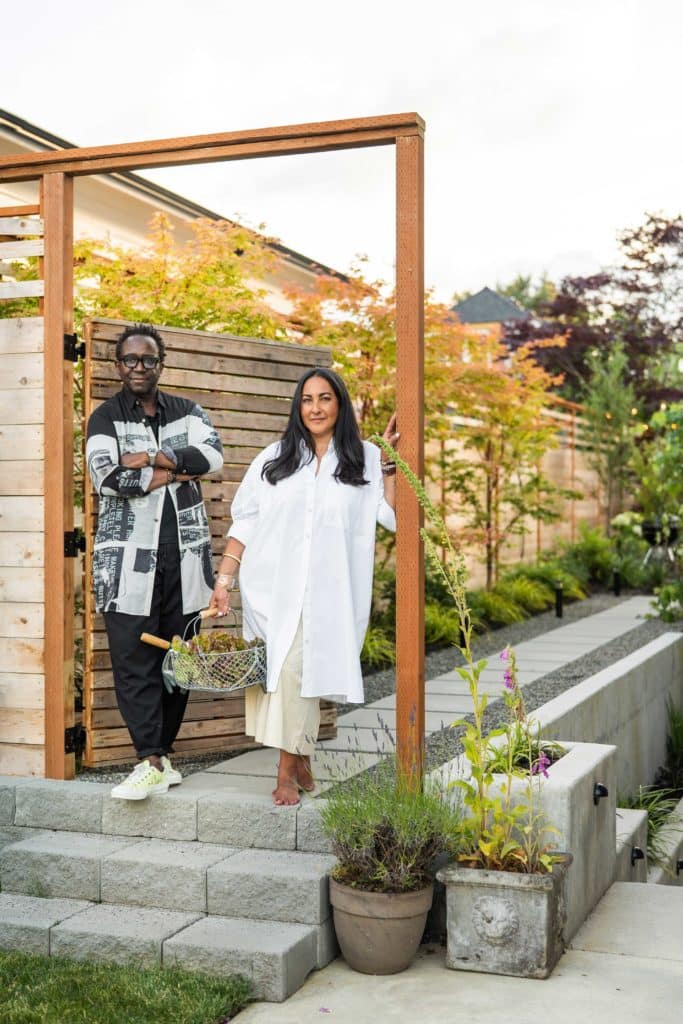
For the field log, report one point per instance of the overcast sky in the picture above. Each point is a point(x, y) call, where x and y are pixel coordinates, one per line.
point(550, 125)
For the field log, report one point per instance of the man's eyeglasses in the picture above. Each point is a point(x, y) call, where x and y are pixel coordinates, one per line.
point(148, 362)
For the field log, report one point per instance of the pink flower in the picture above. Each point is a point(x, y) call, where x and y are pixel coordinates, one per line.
point(508, 679)
point(504, 655)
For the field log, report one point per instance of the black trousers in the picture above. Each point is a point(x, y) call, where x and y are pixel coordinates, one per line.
point(152, 714)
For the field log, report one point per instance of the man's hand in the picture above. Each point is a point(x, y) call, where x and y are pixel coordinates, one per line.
point(135, 460)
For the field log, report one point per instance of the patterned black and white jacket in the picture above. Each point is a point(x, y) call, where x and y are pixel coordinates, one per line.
point(127, 538)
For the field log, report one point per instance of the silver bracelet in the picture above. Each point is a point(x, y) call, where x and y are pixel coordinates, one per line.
point(388, 468)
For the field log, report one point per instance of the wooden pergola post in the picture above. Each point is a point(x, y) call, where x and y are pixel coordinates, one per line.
point(56, 169)
point(410, 661)
point(56, 207)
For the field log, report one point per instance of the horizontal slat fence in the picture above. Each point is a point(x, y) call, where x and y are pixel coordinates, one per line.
point(22, 519)
point(245, 385)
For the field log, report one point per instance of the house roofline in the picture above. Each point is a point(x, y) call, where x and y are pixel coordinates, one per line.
point(46, 140)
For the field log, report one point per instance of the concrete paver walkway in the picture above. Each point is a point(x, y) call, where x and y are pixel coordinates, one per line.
point(625, 966)
point(365, 733)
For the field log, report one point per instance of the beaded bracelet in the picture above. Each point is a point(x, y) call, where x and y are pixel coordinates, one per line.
point(388, 468)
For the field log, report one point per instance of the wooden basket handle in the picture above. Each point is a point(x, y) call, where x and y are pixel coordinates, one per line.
point(155, 641)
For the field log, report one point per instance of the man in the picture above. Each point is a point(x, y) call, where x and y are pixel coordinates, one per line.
point(152, 559)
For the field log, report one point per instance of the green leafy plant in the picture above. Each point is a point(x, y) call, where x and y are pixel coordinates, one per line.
point(530, 595)
point(501, 831)
point(662, 824)
point(379, 649)
point(499, 609)
point(441, 625)
point(385, 833)
point(668, 601)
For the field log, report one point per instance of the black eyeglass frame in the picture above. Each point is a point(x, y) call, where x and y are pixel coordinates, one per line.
point(149, 362)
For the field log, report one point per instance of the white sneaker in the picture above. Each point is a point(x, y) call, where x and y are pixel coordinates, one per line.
point(171, 774)
point(142, 781)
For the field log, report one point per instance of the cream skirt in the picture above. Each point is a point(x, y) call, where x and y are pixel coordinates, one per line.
point(284, 719)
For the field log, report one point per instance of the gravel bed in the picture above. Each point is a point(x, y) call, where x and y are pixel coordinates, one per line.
point(445, 744)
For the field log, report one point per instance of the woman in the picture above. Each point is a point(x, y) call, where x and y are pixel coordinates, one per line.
point(303, 536)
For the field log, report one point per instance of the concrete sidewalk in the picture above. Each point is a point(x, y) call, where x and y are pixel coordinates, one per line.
point(364, 734)
point(625, 966)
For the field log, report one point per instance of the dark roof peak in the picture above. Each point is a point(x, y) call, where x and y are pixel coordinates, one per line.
point(488, 307)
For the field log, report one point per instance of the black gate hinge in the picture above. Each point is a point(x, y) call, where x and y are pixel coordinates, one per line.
point(74, 739)
point(73, 348)
point(74, 541)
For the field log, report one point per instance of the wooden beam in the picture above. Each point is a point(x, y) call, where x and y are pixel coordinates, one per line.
point(21, 289)
point(279, 141)
point(410, 667)
point(18, 211)
point(57, 210)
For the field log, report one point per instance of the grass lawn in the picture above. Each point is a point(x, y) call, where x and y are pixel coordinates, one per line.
point(45, 990)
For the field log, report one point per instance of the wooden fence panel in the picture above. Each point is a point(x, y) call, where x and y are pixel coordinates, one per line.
point(245, 385)
point(22, 518)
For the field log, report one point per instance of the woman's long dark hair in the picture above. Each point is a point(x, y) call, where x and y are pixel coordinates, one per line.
point(347, 440)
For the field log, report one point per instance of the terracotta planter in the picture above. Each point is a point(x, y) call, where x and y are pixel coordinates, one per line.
point(379, 932)
point(501, 922)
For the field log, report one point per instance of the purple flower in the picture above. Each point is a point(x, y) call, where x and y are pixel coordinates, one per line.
point(504, 655)
point(541, 766)
point(508, 679)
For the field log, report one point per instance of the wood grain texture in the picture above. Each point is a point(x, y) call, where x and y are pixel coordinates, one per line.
point(21, 289)
point(19, 619)
point(21, 478)
point(22, 759)
point(199, 366)
point(283, 140)
point(21, 334)
point(56, 201)
point(19, 226)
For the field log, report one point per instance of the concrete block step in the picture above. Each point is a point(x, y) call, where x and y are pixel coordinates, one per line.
point(232, 810)
point(275, 956)
point(64, 865)
point(271, 885)
point(26, 921)
point(277, 885)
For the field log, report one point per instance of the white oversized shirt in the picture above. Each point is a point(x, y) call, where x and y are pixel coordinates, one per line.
point(309, 551)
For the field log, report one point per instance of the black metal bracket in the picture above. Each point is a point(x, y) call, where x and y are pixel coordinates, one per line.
point(74, 541)
point(636, 855)
point(599, 792)
point(73, 348)
point(74, 738)
point(679, 867)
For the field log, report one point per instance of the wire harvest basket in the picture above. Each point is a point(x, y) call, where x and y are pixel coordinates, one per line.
point(215, 661)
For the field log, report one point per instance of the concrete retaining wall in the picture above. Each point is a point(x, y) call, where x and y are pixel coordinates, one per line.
point(624, 705)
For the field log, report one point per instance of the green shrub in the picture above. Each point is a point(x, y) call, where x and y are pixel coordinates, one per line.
point(499, 610)
point(379, 649)
point(551, 573)
point(441, 625)
point(590, 559)
point(531, 595)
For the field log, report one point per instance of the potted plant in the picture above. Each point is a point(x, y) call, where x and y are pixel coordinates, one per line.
point(387, 836)
point(504, 892)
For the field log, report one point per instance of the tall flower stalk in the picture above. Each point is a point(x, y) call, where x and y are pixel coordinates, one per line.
point(501, 832)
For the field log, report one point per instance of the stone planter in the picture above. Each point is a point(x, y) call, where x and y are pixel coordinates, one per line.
point(379, 932)
point(584, 825)
point(500, 922)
